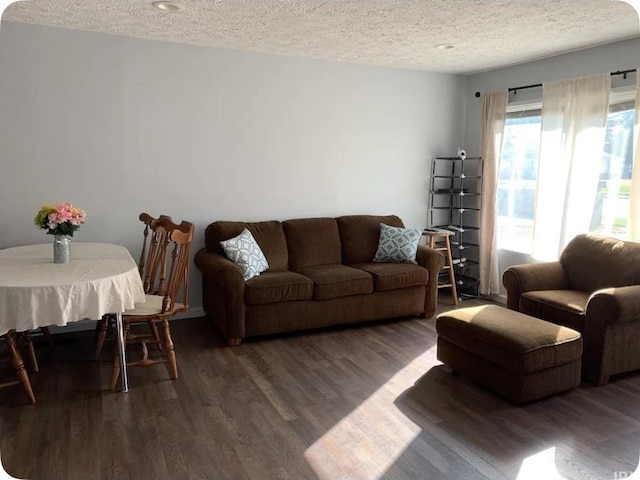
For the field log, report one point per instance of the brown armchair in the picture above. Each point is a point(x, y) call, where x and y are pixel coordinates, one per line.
point(593, 288)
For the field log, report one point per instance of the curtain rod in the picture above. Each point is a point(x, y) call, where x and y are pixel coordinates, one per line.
point(624, 74)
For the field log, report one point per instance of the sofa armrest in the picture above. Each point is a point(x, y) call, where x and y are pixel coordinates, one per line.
point(433, 261)
point(223, 288)
point(612, 324)
point(219, 268)
point(530, 277)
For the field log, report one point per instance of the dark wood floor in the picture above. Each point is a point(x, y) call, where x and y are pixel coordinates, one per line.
point(369, 402)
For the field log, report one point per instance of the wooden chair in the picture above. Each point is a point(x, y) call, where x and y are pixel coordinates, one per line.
point(154, 235)
point(165, 276)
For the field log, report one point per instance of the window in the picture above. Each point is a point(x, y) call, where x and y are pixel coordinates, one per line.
point(517, 180)
point(517, 176)
point(612, 202)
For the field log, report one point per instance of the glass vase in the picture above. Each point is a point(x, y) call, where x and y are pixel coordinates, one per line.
point(61, 249)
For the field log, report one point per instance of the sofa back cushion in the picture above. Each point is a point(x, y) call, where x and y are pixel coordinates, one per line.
point(360, 234)
point(592, 262)
point(269, 236)
point(312, 241)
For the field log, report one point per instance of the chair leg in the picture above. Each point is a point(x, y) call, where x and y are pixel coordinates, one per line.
point(31, 351)
point(101, 334)
point(168, 346)
point(155, 333)
point(18, 365)
point(115, 372)
point(47, 334)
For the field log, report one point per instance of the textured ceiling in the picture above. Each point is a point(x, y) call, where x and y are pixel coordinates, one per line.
point(487, 34)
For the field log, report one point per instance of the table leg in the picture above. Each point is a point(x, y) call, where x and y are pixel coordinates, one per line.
point(121, 352)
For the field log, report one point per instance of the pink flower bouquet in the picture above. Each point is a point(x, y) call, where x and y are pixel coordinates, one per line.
point(62, 219)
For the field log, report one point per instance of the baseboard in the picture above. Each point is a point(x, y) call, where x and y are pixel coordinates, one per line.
point(192, 313)
point(500, 298)
point(83, 325)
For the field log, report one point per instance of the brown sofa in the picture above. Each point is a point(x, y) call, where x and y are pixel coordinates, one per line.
point(594, 288)
point(320, 274)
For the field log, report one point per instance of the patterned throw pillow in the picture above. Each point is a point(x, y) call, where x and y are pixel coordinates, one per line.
point(397, 245)
point(245, 252)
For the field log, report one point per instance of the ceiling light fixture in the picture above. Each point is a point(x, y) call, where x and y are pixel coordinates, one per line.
point(166, 6)
point(444, 46)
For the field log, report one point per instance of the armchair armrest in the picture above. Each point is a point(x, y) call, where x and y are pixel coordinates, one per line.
point(612, 325)
point(611, 305)
point(222, 294)
point(433, 261)
point(519, 279)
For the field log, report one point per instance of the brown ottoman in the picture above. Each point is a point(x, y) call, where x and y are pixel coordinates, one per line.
point(517, 356)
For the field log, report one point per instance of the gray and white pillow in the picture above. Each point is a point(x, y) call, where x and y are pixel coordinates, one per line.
point(245, 252)
point(397, 245)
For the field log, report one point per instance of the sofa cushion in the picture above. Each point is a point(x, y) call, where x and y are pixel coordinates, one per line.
point(562, 307)
point(397, 244)
point(245, 252)
point(312, 241)
point(360, 234)
point(269, 235)
point(277, 286)
point(390, 276)
point(333, 281)
point(594, 262)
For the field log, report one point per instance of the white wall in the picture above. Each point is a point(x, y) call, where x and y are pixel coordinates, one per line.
point(118, 126)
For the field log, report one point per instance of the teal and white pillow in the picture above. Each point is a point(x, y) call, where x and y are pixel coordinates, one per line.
point(397, 245)
point(245, 252)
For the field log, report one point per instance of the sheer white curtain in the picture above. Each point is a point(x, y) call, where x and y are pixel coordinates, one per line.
point(634, 199)
point(574, 116)
point(494, 111)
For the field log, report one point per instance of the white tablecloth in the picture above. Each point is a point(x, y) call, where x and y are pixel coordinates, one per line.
point(35, 292)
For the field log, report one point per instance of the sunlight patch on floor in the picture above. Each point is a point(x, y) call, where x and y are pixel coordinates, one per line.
point(373, 436)
point(543, 465)
point(367, 442)
point(540, 465)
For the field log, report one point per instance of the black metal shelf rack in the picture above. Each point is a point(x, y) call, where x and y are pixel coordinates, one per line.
point(455, 195)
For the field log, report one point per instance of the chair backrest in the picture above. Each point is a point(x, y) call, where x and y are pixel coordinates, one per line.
point(176, 293)
point(592, 262)
point(151, 256)
point(165, 259)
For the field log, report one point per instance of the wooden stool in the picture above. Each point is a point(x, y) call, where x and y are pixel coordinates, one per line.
point(18, 365)
point(442, 237)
